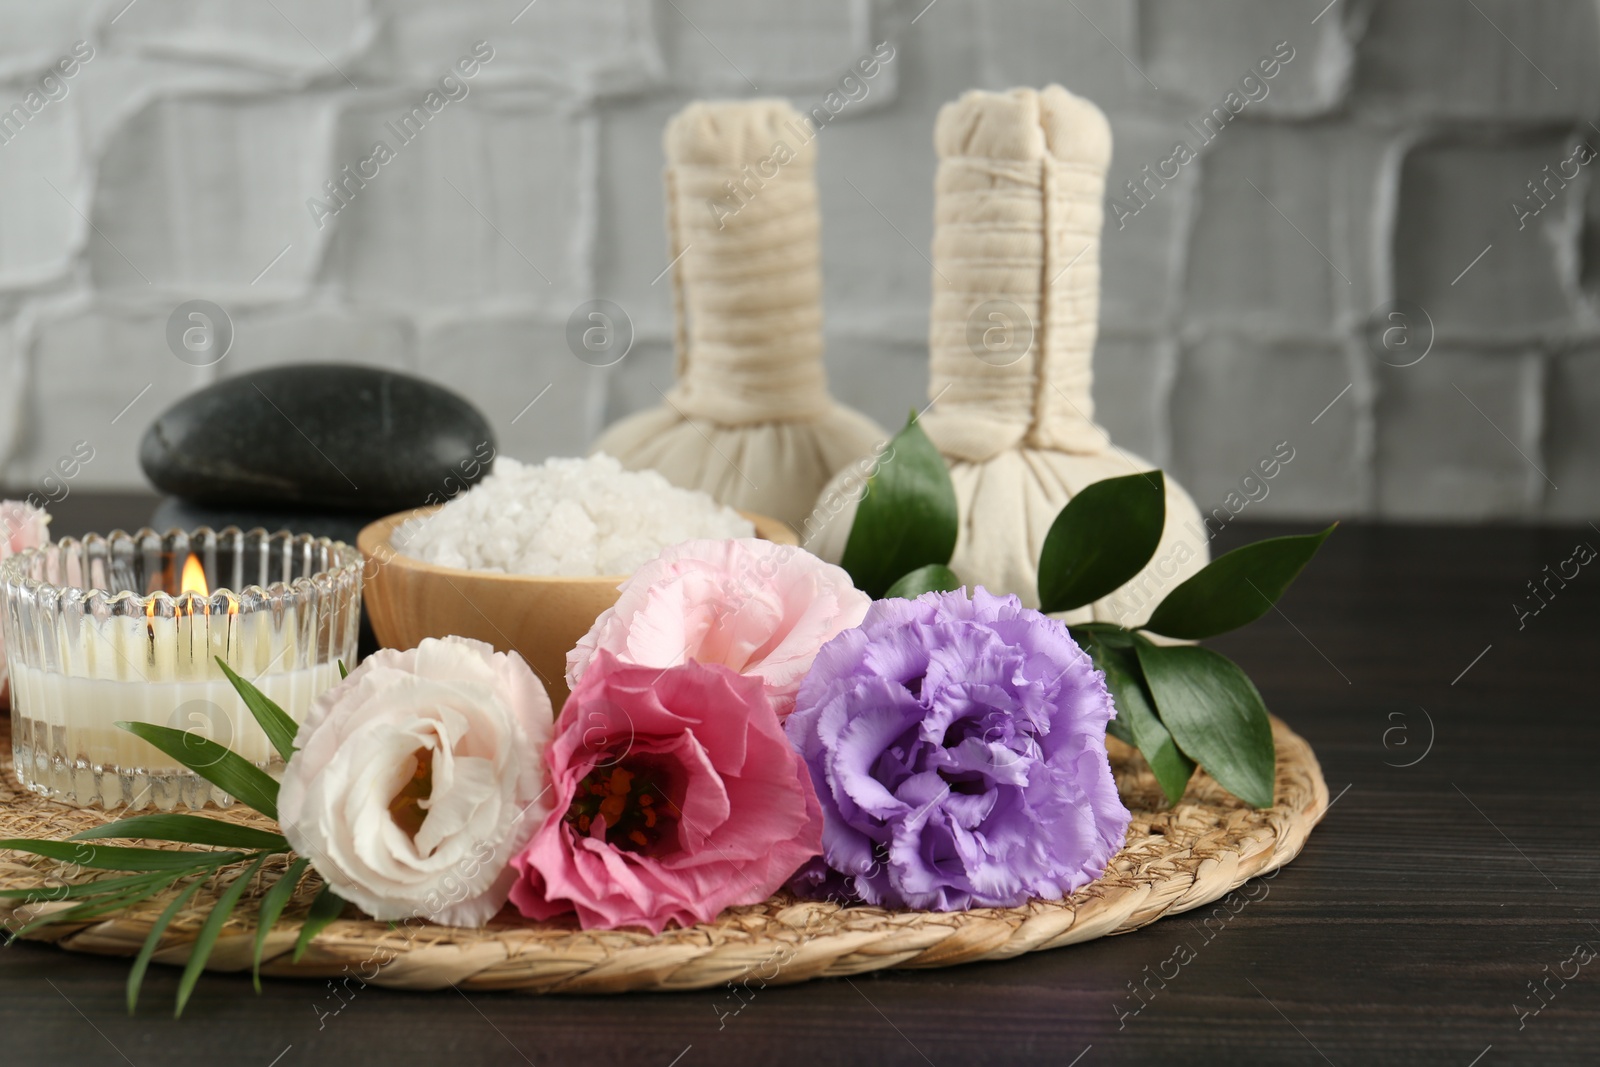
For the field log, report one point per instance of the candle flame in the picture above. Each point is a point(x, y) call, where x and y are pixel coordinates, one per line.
point(192, 583)
point(194, 577)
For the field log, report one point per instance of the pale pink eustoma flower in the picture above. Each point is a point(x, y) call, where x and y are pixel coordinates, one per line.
point(21, 526)
point(755, 607)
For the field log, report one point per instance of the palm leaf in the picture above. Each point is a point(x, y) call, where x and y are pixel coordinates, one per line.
point(279, 727)
point(207, 938)
point(324, 910)
point(189, 829)
point(220, 766)
point(120, 858)
point(272, 905)
point(44, 894)
point(93, 906)
point(142, 962)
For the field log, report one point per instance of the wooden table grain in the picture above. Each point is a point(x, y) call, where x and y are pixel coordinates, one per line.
point(1439, 904)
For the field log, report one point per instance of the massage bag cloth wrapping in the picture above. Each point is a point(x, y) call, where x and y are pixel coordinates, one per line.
point(750, 420)
point(1017, 213)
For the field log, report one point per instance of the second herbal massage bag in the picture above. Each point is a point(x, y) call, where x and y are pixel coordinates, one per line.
point(1017, 217)
point(750, 420)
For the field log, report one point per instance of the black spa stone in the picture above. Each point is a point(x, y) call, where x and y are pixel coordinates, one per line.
point(186, 515)
point(319, 437)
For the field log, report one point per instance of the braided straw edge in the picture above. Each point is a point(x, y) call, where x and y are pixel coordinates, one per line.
point(1174, 860)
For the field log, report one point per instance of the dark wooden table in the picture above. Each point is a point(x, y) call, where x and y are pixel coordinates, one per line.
point(1412, 929)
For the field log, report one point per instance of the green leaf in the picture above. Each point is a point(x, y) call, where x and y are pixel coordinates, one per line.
point(908, 517)
point(200, 951)
point(189, 829)
point(1092, 644)
point(934, 578)
point(1235, 588)
point(1118, 727)
point(232, 773)
point(272, 905)
point(1102, 538)
point(1108, 633)
point(279, 727)
point(1215, 715)
point(324, 909)
point(120, 858)
point(1136, 714)
point(343, 674)
point(142, 962)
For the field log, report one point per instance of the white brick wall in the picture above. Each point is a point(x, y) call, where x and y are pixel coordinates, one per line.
point(1240, 302)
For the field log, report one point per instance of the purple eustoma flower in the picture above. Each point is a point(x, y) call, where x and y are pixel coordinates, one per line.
point(959, 750)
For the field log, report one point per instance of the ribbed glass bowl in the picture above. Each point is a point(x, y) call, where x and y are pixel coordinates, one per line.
point(94, 636)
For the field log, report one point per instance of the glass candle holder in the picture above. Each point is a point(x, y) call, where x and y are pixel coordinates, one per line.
point(128, 628)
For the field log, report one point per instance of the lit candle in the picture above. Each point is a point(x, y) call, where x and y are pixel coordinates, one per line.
point(86, 659)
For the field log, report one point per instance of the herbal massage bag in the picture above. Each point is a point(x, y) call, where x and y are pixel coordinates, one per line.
point(750, 420)
point(1016, 247)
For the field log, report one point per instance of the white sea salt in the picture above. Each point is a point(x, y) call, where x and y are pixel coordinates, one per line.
point(568, 517)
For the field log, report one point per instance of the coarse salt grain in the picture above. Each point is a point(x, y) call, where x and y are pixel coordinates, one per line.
point(569, 517)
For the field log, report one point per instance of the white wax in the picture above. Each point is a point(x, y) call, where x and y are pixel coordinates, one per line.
point(79, 714)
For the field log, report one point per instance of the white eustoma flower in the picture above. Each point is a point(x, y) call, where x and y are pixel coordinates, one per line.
point(419, 777)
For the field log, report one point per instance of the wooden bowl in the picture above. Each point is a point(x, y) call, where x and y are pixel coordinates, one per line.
point(540, 617)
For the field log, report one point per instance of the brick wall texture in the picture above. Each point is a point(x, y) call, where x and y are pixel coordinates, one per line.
point(1387, 253)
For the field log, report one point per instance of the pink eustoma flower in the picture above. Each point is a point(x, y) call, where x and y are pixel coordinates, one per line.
point(676, 795)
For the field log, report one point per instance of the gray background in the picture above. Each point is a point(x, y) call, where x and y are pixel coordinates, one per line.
point(1239, 303)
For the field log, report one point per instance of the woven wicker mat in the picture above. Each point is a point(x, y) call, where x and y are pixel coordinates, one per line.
point(1174, 860)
